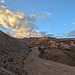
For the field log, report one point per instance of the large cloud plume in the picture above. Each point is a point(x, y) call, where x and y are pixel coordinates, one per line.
point(21, 24)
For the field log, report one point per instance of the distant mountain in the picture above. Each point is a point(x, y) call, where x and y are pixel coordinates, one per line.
point(67, 38)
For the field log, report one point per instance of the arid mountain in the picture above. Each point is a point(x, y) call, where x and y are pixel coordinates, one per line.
point(12, 54)
point(16, 57)
point(13, 43)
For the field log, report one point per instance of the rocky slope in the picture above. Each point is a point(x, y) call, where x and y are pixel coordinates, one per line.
point(12, 54)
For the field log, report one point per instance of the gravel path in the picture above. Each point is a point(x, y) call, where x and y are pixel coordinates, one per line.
point(35, 65)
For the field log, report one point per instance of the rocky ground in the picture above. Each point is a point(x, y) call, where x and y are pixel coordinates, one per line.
point(16, 58)
point(35, 65)
point(3, 71)
point(12, 54)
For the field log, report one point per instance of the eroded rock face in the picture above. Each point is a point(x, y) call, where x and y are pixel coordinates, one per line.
point(12, 54)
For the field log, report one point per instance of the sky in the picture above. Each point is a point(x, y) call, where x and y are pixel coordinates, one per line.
point(37, 18)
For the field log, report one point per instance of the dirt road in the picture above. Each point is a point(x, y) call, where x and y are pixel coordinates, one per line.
point(35, 65)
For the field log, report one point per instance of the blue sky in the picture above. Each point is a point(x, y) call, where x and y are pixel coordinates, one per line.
point(61, 19)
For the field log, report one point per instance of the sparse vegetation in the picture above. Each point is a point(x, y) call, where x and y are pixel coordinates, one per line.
point(10, 60)
point(4, 62)
point(5, 66)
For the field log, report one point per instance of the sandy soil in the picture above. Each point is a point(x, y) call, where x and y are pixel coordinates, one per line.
point(35, 65)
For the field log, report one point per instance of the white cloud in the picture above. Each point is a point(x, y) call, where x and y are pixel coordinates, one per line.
point(71, 34)
point(21, 24)
point(66, 24)
point(73, 23)
point(41, 15)
point(61, 35)
point(49, 35)
point(70, 24)
point(3, 1)
point(73, 19)
point(37, 34)
point(31, 34)
point(64, 33)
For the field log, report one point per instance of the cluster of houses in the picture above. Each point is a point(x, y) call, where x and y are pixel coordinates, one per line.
point(54, 44)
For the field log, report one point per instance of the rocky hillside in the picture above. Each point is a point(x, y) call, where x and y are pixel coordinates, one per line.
point(12, 54)
point(58, 50)
point(61, 56)
point(35, 65)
